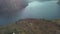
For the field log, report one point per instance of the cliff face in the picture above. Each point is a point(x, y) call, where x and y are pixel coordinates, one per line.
point(59, 2)
point(31, 26)
point(9, 10)
point(12, 6)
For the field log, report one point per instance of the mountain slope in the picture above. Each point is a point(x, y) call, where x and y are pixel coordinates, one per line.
point(31, 26)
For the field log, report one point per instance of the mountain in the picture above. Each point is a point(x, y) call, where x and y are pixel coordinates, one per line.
point(9, 10)
point(31, 26)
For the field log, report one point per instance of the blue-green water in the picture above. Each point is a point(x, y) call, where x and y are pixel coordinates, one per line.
point(35, 9)
point(47, 10)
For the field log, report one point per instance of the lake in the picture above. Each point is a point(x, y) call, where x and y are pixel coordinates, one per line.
point(36, 9)
point(47, 10)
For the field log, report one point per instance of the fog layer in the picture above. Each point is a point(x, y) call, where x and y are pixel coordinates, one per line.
point(13, 10)
point(46, 10)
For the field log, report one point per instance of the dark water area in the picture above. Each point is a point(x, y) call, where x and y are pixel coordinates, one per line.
point(47, 10)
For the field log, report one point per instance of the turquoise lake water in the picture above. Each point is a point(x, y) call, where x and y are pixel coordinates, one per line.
point(35, 9)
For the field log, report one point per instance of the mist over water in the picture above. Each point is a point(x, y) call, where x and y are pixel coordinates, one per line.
point(40, 0)
point(47, 10)
point(35, 9)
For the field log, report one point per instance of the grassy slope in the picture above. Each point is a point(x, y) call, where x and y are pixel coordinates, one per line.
point(31, 26)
